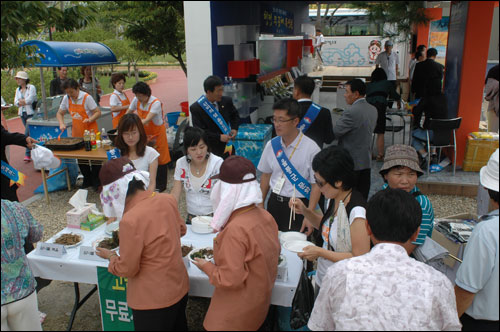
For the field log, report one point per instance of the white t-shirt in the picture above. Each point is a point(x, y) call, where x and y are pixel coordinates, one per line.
point(301, 160)
point(319, 40)
point(324, 264)
point(155, 109)
point(198, 201)
point(142, 164)
point(90, 104)
point(388, 63)
point(29, 96)
point(116, 100)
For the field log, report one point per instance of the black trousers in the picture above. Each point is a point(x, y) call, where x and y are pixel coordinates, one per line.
point(161, 177)
point(471, 324)
point(90, 174)
point(277, 206)
point(364, 178)
point(171, 318)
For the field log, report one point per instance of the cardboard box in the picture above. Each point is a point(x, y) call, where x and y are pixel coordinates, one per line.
point(477, 153)
point(92, 223)
point(455, 249)
point(76, 216)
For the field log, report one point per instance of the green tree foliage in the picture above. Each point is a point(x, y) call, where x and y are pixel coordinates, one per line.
point(156, 27)
point(402, 15)
point(21, 20)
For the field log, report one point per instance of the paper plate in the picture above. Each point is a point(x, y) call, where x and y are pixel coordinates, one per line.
point(201, 225)
point(96, 242)
point(53, 240)
point(297, 246)
point(196, 250)
point(292, 236)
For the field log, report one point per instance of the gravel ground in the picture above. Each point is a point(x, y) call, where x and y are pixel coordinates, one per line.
point(57, 299)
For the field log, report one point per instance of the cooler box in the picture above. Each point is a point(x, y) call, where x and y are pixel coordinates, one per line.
point(251, 140)
point(479, 148)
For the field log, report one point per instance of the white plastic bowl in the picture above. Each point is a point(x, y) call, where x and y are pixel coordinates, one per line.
point(201, 225)
point(292, 236)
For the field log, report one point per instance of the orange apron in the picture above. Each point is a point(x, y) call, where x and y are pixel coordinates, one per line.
point(79, 114)
point(159, 131)
point(116, 119)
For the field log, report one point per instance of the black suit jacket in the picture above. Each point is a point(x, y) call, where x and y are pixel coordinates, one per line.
point(8, 138)
point(321, 130)
point(427, 78)
point(202, 120)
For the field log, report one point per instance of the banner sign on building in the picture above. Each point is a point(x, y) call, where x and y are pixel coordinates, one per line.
point(276, 21)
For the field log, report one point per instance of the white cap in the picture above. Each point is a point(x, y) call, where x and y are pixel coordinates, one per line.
point(489, 173)
point(44, 158)
point(22, 74)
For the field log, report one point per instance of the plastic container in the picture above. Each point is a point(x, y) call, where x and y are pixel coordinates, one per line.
point(172, 119)
point(185, 107)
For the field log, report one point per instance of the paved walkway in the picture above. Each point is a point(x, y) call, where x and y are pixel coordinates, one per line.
point(170, 87)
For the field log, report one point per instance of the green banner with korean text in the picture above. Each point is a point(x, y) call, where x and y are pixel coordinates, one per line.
point(115, 313)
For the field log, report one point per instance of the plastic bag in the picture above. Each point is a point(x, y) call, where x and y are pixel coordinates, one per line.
point(303, 302)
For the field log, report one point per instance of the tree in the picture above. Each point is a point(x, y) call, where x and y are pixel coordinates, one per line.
point(22, 19)
point(125, 50)
point(322, 21)
point(401, 15)
point(156, 27)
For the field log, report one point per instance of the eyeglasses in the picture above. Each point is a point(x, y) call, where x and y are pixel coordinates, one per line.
point(273, 120)
point(319, 183)
point(130, 133)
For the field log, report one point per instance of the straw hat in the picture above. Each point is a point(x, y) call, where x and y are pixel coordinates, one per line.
point(401, 155)
point(22, 74)
point(489, 173)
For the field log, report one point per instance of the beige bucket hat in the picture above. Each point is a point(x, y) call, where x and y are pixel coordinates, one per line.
point(401, 155)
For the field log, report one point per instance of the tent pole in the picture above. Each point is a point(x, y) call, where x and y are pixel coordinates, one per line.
point(44, 96)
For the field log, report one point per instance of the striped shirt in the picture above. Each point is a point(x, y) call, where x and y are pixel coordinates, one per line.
point(427, 224)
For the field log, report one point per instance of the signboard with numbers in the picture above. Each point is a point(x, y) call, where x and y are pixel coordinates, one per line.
point(115, 313)
point(276, 21)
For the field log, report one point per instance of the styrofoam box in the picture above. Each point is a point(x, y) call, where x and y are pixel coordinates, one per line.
point(76, 216)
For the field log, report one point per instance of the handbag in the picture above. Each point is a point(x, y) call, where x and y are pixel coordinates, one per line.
point(303, 302)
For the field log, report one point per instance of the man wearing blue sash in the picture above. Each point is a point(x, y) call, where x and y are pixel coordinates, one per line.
point(217, 116)
point(315, 121)
point(286, 163)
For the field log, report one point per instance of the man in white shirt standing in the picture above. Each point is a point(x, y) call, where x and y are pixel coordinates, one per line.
point(477, 282)
point(388, 61)
point(319, 40)
point(285, 162)
point(385, 289)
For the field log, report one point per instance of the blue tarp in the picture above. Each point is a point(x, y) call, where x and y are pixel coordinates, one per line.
point(68, 54)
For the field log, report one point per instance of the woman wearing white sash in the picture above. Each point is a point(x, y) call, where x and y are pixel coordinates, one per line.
point(342, 227)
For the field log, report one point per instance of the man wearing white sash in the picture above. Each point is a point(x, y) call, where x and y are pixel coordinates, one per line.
point(219, 118)
point(295, 150)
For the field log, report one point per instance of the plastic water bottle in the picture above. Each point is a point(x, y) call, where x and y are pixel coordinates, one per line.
point(86, 139)
point(104, 135)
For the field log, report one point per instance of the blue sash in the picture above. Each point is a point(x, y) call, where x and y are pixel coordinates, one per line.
point(214, 115)
point(309, 117)
point(13, 174)
point(302, 185)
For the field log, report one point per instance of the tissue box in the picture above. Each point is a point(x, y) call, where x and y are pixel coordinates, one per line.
point(93, 221)
point(76, 216)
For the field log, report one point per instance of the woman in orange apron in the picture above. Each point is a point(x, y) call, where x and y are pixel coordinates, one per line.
point(150, 110)
point(84, 112)
point(118, 104)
